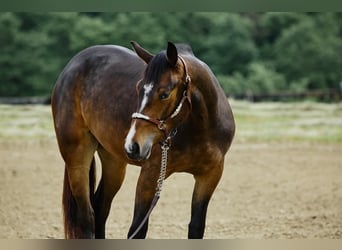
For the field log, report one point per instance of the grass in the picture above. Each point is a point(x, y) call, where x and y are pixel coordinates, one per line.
point(25, 121)
point(255, 122)
point(288, 122)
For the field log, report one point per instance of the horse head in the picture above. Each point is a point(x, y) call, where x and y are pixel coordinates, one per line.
point(162, 93)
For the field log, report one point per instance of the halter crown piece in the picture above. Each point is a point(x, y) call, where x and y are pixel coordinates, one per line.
point(161, 123)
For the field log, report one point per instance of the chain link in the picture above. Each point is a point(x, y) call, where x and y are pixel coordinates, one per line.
point(164, 147)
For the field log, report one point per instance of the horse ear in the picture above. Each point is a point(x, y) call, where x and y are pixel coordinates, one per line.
point(172, 54)
point(141, 52)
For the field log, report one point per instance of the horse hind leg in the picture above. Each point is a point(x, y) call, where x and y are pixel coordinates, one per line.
point(78, 188)
point(73, 226)
point(113, 174)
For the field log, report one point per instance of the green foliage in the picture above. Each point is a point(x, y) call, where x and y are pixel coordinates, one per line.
point(260, 79)
point(250, 53)
point(24, 58)
point(224, 41)
point(315, 44)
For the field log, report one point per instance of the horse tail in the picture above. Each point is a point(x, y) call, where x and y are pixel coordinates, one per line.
point(69, 203)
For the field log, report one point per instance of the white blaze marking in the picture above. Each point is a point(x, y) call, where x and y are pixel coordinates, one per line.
point(148, 88)
point(129, 138)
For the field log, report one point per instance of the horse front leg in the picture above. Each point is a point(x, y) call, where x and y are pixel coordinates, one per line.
point(205, 185)
point(145, 192)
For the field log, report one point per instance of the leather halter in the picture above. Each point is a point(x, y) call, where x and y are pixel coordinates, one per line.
point(161, 123)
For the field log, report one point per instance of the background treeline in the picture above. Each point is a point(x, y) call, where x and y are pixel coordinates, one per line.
point(255, 53)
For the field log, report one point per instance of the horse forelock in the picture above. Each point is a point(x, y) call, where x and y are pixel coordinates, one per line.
point(157, 66)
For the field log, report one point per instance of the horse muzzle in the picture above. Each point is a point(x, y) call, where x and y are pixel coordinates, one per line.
point(136, 152)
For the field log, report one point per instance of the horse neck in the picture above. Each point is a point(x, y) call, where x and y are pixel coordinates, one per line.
point(204, 92)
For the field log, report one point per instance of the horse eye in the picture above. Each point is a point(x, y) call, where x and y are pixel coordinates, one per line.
point(164, 96)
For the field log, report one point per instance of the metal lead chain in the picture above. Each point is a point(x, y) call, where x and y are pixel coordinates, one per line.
point(164, 147)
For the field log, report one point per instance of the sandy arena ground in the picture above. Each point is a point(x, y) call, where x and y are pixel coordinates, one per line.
point(277, 190)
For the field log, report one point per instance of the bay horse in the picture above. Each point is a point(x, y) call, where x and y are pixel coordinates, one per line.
point(127, 106)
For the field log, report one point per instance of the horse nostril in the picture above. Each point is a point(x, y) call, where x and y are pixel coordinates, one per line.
point(135, 148)
point(134, 151)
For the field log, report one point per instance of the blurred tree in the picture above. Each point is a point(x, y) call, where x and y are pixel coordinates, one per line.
point(272, 24)
point(250, 52)
point(23, 61)
point(260, 79)
point(9, 26)
point(223, 40)
point(309, 52)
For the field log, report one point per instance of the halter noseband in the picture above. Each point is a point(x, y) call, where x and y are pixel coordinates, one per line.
point(161, 123)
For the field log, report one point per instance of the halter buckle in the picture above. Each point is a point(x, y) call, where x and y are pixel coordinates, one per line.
point(161, 125)
point(187, 79)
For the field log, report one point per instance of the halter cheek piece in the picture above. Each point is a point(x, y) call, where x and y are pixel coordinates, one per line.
point(161, 124)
